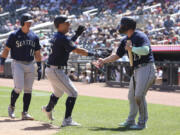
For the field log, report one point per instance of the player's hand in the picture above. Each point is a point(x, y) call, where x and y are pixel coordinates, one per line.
point(1, 68)
point(99, 63)
point(128, 46)
point(80, 30)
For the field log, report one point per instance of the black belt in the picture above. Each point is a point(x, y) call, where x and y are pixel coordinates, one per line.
point(142, 65)
point(56, 67)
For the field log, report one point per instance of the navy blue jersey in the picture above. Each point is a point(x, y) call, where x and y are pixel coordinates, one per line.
point(23, 45)
point(138, 39)
point(60, 50)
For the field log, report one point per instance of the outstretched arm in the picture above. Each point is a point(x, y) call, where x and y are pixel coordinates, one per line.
point(83, 52)
point(108, 59)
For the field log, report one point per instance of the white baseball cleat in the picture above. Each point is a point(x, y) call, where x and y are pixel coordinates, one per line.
point(11, 112)
point(69, 122)
point(26, 116)
point(49, 114)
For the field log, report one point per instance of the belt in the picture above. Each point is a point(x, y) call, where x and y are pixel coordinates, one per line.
point(142, 65)
point(24, 62)
point(56, 67)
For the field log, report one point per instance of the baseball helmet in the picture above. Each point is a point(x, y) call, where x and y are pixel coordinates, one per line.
point(126, 24)
point(59, 20)
point(26, 18)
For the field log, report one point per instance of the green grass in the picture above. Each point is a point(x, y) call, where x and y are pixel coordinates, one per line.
point(98, 116)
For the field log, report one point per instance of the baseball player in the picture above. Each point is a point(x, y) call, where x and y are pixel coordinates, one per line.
point(144, 70)
point(61, 48)
point(24, 46)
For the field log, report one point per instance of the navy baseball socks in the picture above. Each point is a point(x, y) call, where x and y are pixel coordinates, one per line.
point(70, 102)
point(14, 97)
point(26, 101)
point(48, 109)
point(52, 102)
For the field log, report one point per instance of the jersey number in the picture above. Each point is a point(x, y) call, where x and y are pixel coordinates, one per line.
point(32, 52)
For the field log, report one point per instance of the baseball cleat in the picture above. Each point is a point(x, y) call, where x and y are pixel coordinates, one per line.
point(126, 124)
point(26, 116)
point(69, 122)
point(11, 111)
point(138, 127)
point(49, 114)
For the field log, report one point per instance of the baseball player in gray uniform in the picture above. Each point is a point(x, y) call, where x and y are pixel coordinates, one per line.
point(144, 70)
point(24, 46)
point(61, 47)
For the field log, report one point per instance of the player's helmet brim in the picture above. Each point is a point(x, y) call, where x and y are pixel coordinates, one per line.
point(29, 21)
point(61, 19)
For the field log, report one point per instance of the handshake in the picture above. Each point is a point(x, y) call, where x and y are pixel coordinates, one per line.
point(99, 63)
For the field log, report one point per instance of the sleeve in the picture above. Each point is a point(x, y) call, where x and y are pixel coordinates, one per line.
point(68, 45)
point(121, 50)
point(144, 40)
point(37, 46)
point(144, 50)
point(10, 41)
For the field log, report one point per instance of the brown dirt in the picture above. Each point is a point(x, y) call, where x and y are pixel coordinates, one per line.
point(19, 127)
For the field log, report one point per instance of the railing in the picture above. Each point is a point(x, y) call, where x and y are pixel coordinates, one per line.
point(168, 75)
point(117, 74)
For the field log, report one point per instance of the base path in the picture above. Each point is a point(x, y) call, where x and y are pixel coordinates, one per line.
point(100, 90)
point(19, 127)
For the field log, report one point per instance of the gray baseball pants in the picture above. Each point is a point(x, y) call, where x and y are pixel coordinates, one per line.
point(60, 82)
point(23, 75)
point(144, 77)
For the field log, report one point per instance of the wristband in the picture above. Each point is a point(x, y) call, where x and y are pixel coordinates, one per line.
point(2, 61)
point(90, 54)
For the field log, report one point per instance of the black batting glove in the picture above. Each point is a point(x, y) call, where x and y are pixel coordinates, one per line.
point(39, 70)
point(80, 30)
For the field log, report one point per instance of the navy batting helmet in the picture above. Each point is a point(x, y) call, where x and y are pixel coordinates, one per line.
point(126, 24)
point(59, 20)
point(26, 18)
